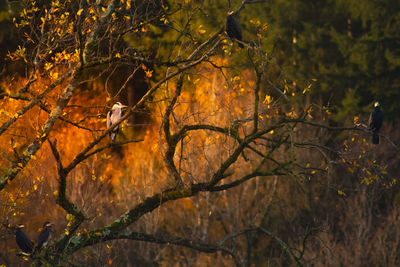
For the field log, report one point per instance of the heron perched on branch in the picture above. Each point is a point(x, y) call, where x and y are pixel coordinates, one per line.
point(113, 116)
point(232, 28)
point(44, 235)
point(375, 122)
point(23, 242)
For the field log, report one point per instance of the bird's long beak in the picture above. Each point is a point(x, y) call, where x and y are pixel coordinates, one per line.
point(123, 106)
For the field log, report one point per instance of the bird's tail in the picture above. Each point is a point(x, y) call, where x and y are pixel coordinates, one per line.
point(113, 137)
point(375, 138)
point(24, 254)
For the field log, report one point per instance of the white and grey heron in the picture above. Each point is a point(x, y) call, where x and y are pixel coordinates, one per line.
point(113, 116)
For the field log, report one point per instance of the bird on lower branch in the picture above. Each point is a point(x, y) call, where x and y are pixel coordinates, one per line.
point(44, 236)
point(23, 241)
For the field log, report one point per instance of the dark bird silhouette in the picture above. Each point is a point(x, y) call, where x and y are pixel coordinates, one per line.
point(232, 28)
point(44, 235)
point(375, 122)
point(23, 242)
point(112, 117)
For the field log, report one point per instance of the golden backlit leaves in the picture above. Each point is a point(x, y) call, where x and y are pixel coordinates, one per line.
point(358, 159)
point(268, 100)
point(200, 29)
point(292, 114)
point(57, 29)
point(341, 193)
point(148, 73)
point(260, 27)
point(20, 53)
point(355, 119)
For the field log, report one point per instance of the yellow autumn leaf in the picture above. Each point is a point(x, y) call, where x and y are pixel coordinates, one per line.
point(268, 99)
point(149, 73)
point(79, 12)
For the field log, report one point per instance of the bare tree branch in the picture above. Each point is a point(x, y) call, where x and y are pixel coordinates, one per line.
point(62, 199)
point(48, 125)
point(33, 103)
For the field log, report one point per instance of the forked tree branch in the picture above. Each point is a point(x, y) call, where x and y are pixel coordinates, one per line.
point(62, 198)
point(151, 203)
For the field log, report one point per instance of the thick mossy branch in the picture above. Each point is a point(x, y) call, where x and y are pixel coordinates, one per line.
point(113, 230)
point(194, 244)
point(149, 204)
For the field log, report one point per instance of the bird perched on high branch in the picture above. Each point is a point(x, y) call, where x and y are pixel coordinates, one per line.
point(375, 122)
point(232, 28)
